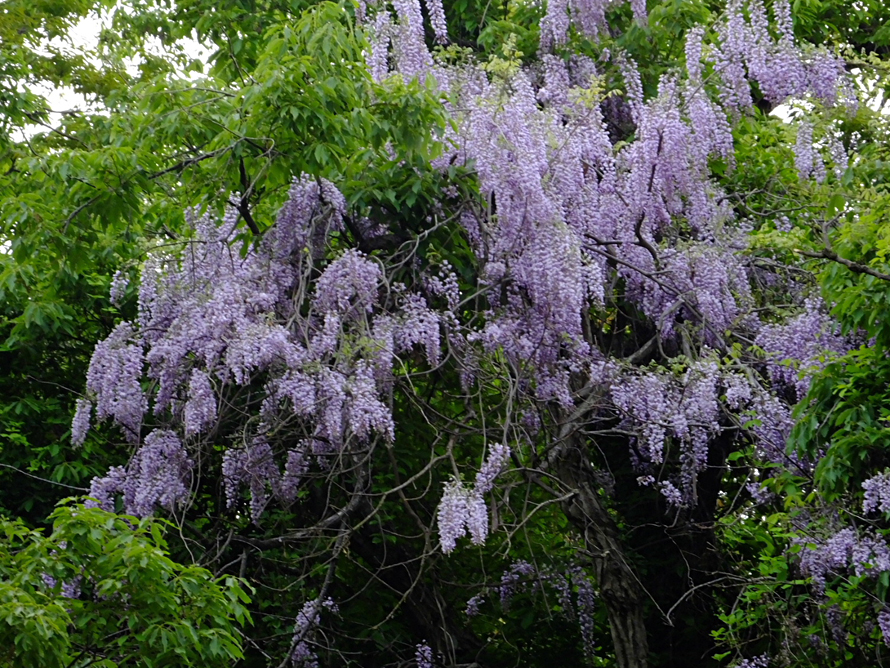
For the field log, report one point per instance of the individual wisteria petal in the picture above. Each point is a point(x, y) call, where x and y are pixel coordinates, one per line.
point(80, 425)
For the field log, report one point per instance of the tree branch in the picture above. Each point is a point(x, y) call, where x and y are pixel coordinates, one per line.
point(856, 267)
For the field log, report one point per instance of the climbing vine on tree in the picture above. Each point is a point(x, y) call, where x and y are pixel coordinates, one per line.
point(478, 335)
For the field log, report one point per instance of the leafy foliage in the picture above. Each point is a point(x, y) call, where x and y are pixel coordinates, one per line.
point(577, 231)
point(100, 590)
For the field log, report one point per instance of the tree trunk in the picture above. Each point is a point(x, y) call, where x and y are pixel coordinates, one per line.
point(619, 587)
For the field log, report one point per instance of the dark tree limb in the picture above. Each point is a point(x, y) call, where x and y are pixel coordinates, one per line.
point(619, 587)
point(856, 267)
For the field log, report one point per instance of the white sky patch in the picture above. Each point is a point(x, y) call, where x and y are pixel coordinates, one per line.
point(83, 38)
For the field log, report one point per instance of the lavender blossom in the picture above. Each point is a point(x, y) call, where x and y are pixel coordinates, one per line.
point(846, 550)
point(80, 424)
point(157, 475)
point(380, 32)
point(472, 609)
point(585, 602)
point(804, 156)
point(409, 46)
point(514, 580)
point(254, 466)
point(796, 349)
point(365, 412)
point(693, 53)
point(348, 285)
point(476, 518)
point(884, 625)
point(113, 377)
point(70, 589)
point(200, 409)
point(498, 458)
point(424, 656)
point(437, 20)
point(103, 490)
point(877, 493)
point(295, 469)
point(119, 283)
point(419, 325)
point(671, 493)
point(452, 515)
point(307, 621)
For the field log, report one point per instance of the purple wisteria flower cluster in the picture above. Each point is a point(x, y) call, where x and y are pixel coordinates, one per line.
point(424, 656)
point(462, 510)
point(157, 476)
point(578, 222)
point(574, 589)
point(877, 493)
point(572, 211)
point(302, 654)
point(211, 318)
point(569, 204)
point(846, 550)
point(797, 349)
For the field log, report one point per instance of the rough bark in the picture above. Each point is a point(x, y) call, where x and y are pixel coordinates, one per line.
point(619, 587)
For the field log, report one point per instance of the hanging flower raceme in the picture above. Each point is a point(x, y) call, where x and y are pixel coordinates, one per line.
point(211, 318)
point(462, 509)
